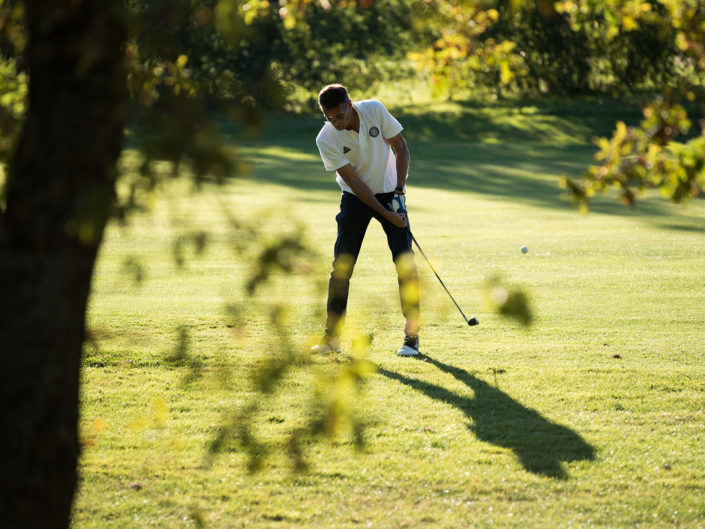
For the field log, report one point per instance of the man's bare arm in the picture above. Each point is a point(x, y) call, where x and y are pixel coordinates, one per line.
point(364, 193)
point(401, 152)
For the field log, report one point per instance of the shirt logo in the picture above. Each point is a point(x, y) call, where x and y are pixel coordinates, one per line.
point(346, 150)
point(374, 132)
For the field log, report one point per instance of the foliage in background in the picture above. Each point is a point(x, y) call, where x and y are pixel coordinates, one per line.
point(666, 151)
point(553, 57)
point(540, 46)
point(461, 59)
point(649, 155)
point(13, 87)
point(363, 44)
point(249, 54)
point(13, 81)
point(578, 46)
point(631, 45)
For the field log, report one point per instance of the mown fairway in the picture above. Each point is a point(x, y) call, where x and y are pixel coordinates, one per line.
point(594, 416)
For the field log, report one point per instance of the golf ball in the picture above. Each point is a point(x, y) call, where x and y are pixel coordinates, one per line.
point(524, 249)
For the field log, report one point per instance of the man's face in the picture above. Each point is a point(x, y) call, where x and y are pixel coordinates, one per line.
point(337, 116)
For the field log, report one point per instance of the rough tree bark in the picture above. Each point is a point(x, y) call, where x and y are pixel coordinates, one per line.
point(59, 196)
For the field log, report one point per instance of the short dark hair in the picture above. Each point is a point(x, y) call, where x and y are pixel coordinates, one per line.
point(333, 96)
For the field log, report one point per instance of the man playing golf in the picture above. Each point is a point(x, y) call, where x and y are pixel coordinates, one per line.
point(362, 142)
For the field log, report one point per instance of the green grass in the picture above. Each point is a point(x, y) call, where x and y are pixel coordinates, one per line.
point(592, 417)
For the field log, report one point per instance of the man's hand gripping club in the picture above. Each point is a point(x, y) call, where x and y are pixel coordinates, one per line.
point(399, 203)
point(350, 176)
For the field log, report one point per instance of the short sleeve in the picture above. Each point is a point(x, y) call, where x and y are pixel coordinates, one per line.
point(390, 126)
point(332, 158)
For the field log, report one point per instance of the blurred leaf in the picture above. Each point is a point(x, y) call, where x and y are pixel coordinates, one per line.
point(160, 410)
point(278, 255)
point(645, 157)
point(180, 355)
point(196, 240)
point(133, 268)
point(507, 301)
point(13, 101)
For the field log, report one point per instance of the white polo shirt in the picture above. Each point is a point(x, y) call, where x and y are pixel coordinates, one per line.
point(366, 151)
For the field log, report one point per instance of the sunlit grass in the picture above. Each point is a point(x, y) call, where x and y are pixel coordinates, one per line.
point(592, 417)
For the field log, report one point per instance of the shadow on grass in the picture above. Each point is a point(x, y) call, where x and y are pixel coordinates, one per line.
point(515, 153)
point(545, 120)
point(524, 172)
point(540, 445)
point(511, 151)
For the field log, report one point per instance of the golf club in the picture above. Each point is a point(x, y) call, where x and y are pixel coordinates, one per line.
point(472, 321)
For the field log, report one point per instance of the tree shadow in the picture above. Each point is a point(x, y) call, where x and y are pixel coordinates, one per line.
point(509, 153)
point(541, 446)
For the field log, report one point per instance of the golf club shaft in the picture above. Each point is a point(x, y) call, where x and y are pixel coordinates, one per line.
point(438, 277)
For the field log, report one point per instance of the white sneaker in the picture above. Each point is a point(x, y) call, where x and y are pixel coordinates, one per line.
point(327, 345)
point(410, 347)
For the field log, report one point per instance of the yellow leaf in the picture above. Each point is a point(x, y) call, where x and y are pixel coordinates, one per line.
point(682, 41)
point(289, 22)
point(515, 5)
point(99, 425)
point(161, 412)
point(621, 131)
point(138, 425)
point(505, 73)
point(181, 61)
point(360, 345)
point(628, 23)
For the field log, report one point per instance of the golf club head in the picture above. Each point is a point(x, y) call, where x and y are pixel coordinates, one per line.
point(472, 322)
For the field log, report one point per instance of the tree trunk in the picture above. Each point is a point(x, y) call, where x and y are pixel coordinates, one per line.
point(59, 196)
